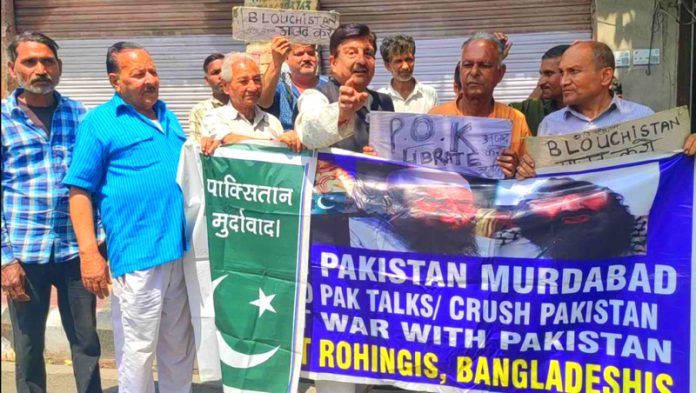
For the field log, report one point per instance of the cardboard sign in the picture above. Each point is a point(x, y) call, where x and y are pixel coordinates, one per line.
point(663, 132)
point(252, 24)
point(469, 145)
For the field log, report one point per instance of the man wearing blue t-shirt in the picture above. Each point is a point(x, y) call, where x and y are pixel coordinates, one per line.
point(126, 158)
point(281, 90)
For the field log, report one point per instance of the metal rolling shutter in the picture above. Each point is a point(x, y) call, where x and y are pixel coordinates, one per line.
point(179, 62)
point(440, 18)
point(131, 18)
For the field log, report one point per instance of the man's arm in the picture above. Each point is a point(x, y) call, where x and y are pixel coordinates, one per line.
point(7, 254)
point(280, 47)
point(320, 123)
point(13, 277)
point(95, 272)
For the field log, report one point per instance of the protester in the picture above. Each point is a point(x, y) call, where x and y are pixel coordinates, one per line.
point(588, 70)
point(336, 114)
point(481, 70)
point(242, 119)
point(549, 84)
point(39, 248)
point(407, 94)
point(282, 89)
point(126, 158)
point(212, 67)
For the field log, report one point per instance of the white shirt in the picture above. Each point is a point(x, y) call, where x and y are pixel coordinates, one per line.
point(317, 120)
point(422, 99)
point(225, 120)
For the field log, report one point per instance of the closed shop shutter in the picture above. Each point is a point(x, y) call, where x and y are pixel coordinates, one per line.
point(426, 19)
point(179, 62)
point(131, 18)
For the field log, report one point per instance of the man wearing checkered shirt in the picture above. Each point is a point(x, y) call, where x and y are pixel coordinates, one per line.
point(39, 248)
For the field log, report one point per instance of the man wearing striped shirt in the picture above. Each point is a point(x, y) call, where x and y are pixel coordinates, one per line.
point(126, 159)
point(39, 248)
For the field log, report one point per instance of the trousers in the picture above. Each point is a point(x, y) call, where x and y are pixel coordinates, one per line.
point(77, 308)
point(151, 317)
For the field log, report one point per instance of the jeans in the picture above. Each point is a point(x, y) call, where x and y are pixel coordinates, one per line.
point(77, 309)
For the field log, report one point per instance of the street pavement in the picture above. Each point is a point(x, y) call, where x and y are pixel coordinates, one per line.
point(60, 379)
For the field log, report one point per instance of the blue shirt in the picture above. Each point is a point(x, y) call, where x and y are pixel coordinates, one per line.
point(129, 165)
point(35, 212)
point(284, 105)
point(569, 121)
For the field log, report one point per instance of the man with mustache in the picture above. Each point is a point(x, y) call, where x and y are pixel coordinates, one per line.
point(549, 84)
point(336, 114)
point(408, 95)
point(39, 248)
point(212, 67)
point(587, 70)
point(481, 69)
point(242, 119)
point(282, 89)
point(126, 160)
point(571, 219)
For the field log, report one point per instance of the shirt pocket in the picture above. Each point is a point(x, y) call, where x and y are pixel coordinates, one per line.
point(136, 153)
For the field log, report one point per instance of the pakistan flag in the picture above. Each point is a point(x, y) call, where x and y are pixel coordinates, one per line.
point(256, 198)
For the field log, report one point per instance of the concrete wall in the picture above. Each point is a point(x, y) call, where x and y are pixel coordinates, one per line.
point(626, 25)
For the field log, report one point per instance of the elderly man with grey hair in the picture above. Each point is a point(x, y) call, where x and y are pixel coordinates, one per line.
point(481, 70)
point(241, 119)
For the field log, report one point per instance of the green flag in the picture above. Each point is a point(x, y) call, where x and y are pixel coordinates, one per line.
point(258, 235)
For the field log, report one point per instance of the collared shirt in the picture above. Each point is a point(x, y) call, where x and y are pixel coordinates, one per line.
point(535, 110)
point(129, 165)
point(227, 120)
point(422, 99)
point(520, 130)
point(284, 105)
point(568, 120)
point(35, 212)
point(198, 113)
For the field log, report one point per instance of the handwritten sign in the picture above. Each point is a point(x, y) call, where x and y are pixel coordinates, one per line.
point(662, 132)
point(253, 24)
point(468, 145)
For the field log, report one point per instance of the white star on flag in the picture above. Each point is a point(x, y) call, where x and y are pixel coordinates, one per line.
point(263, 303)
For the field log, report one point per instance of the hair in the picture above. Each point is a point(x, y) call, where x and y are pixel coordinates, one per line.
point(555, 52)
point(210, 59)
point(347, 31)
point(30, 36)
point(603, 56)
point(616, 86)
point(397, 45)
point(487, 37)
point(115, 49)
point(457, 78)
point(230, 59)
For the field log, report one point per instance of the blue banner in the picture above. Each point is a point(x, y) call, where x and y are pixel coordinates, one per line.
point(568, 282)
